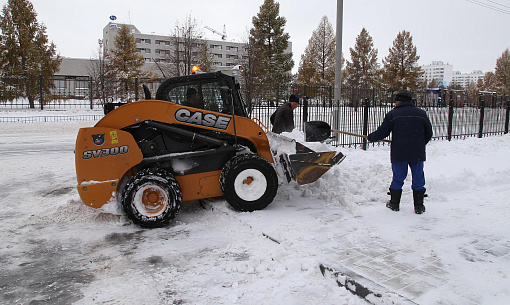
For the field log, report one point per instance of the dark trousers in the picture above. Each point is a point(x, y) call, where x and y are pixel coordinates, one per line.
point(400, 173)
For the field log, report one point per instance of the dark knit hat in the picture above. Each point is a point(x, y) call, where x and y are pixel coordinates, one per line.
point(294, 98)
point(404, 96)
point(191, 91)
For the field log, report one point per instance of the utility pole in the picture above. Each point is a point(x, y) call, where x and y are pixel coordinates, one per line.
point(338, 61)
point(338, 51)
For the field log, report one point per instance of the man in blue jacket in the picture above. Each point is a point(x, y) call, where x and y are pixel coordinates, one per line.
point(411, 130)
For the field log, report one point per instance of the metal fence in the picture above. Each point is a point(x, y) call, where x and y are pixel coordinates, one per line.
point(453, 113)
point(71, 92)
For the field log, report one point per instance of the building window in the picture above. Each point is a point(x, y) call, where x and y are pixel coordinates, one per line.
point(82, 84)
point(229, 48)
point(60, 83)
point(142, 40)
point(143, 50)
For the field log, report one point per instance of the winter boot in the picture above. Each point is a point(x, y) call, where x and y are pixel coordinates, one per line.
point(419, 208)
point(394, 203)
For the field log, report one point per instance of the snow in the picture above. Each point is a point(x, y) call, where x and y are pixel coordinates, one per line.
point(54, 249)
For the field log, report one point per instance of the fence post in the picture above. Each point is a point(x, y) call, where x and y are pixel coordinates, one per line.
point(305, 107)
point(41, 91)
point(277, 93)
point(450, 116)
point(90, 94)
point(136, 88)
point(366, 104)
point(482, 114)
point(507, 114)
point(330, 96)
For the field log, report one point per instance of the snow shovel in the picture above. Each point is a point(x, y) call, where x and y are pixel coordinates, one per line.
point(320, 131)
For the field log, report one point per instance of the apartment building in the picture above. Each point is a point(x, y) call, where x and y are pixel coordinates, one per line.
point(464, 79)
point(445, 75)
point(157, 49)
point(438, 71)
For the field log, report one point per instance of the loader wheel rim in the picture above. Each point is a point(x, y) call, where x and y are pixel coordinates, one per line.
point(250, 184)
point(151, 200)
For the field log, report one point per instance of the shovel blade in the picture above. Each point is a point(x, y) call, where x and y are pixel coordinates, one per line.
point(317, 131)
point(308, 167)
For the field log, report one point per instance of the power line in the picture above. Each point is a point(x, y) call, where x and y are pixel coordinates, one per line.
point(498, 4)
point(489, 6)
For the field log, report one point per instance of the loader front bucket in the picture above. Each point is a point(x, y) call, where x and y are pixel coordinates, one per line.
point(308, 167)
point(295, 161)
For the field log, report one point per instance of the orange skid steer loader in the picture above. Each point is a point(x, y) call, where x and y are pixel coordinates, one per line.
point(193, 141)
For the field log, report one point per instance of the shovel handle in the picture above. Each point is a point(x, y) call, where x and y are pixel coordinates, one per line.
point(356, 135)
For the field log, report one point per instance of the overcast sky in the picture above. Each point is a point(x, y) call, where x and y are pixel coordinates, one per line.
point(465, 34)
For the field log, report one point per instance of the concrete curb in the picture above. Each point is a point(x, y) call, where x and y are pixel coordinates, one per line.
point(363, 287)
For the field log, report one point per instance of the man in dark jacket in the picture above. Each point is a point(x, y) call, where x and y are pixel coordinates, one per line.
point(283, 118)
point(411, 130)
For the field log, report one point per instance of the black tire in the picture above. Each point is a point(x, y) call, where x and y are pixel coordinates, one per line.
point(152, 198)
point(248, 182)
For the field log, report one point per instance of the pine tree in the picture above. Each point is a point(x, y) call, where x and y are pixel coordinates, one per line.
point(317, 65)
point(401, 70)
point(434, 83)
point(25, 51)
point(269, 42)
point(489, 82)
point(363, 71)
point(502, 73)
point(123, 63)
point(472, 90)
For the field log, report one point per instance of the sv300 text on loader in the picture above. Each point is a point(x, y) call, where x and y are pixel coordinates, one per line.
point(149, 156)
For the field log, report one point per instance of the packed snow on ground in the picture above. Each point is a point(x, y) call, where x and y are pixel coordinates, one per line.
point(55, 250)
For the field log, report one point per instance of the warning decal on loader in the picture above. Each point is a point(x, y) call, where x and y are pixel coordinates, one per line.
point(113, 136)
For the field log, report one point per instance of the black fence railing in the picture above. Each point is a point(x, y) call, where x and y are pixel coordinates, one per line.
point(453, 113)
point(71, 92)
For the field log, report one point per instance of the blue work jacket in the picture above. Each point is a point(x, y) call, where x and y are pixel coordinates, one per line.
point(411, 130)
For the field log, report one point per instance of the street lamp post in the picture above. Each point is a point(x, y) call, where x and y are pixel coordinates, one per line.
point(338, 57)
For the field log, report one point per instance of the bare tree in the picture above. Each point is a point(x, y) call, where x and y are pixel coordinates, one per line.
point(187, 46)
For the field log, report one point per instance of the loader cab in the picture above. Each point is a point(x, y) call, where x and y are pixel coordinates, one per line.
point(204, 91)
